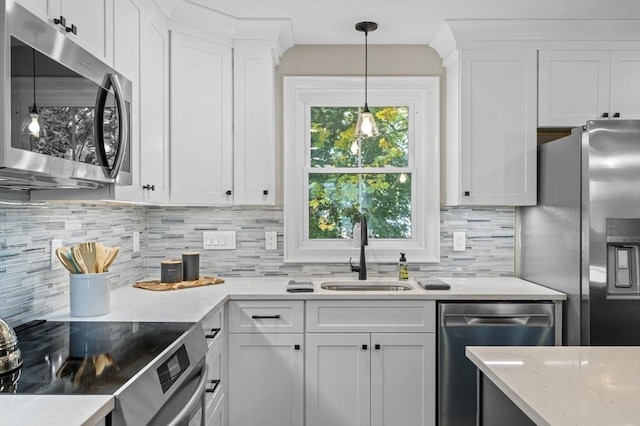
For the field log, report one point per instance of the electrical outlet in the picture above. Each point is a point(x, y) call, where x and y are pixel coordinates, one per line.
point(55, 263)
point(459, 241)
point(136, 241)
point(271, 240)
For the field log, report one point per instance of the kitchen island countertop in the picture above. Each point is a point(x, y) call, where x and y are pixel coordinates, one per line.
point(566, 385)
point(193, 304)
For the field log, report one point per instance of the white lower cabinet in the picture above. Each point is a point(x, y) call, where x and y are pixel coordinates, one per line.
point(370, 379)
point(266, 386)
point(370, 363)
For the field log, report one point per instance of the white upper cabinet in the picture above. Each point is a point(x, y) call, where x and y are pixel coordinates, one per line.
point(491, 127)
point(153, 179)
point(580, 85)
point(201, 121)
point(254, 131)
point(88, 22)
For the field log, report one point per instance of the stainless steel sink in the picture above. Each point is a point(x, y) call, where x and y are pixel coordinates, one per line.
point(365, 286)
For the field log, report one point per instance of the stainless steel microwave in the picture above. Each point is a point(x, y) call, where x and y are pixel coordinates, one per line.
point(65, 116)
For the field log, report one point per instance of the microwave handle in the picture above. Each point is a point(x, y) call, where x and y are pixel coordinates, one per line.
point(111, 80)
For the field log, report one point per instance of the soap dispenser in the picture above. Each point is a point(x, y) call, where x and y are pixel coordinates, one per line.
point(403, 268)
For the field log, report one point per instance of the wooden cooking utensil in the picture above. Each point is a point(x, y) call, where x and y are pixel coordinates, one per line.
point(111, 257)
point(88, 252)
point(62, 255)
point(101, 256)
point(77, 257)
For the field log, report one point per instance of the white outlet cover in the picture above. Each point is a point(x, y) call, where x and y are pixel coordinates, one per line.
point(55, 263)
point(459, 241)
point(271, 240)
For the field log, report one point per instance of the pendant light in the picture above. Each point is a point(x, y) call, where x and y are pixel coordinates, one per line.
point(33, 125)
point(366, 126)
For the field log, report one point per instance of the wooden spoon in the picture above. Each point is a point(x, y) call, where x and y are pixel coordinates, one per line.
point(111, 257)
point(62, 255)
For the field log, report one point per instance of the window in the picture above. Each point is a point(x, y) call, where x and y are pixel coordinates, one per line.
point(331, 178)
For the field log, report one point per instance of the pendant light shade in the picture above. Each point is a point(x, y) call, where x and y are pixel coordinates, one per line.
point(366, 125)
point(33, 125)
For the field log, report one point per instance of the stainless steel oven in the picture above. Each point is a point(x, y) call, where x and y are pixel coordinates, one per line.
point(65, 114)
point(155, 371)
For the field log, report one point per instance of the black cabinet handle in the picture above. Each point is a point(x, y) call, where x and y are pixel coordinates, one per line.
point(377, 347)
point(72, 29)
point(296, 347)
point(228, 192)
point(605, 115)
point(467, 193)
point(364, 347)
point(265, 192)
point(149, 187)
point(616, 115)
point(213, 333)
point(62, 21)
point(265, 316)
point(215, 384)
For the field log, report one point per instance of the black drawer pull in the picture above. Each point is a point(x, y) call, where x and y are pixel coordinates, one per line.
point(296, 347)
point(149, 187)
point(605, 115)
point(467, 193)
point(265, 316)
point(228, 192)
point(72, 29)
point(616, 115)
point(215, 384)
point(265, 192)
point(62, 21)
point(364, 347)
point(213, 333)
point(377, 347)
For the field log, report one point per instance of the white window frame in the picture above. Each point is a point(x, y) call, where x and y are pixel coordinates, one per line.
point(422, 96)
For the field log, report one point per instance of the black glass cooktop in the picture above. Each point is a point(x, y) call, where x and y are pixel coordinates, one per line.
point(86, 357)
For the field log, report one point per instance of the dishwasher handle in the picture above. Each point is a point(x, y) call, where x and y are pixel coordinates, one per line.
point(511, 320)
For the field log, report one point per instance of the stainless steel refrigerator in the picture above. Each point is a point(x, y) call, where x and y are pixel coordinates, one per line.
point(583, 237)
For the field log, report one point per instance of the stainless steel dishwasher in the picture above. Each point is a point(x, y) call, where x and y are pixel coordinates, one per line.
point(481, 324)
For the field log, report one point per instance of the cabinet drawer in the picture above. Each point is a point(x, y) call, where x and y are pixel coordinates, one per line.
point(213, 325)
point(273, 316)
point(352, 316)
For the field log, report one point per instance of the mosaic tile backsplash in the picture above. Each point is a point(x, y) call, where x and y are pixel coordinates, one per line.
point(30, 289)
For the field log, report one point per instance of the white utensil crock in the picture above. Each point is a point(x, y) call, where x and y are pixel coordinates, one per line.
point(90, 294)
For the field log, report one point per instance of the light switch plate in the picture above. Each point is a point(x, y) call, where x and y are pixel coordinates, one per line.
point(271, 240)
point(55, 263)
point(459, 241)
point(136, 241)
point(219, 240)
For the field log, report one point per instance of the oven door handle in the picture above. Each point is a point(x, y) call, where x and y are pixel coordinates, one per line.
point(197, 397)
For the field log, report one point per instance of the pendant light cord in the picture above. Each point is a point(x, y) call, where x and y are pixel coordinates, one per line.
point(366, 63)
point(33, 52)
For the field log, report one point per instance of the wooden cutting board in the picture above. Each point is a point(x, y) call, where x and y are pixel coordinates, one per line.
point(156, 285)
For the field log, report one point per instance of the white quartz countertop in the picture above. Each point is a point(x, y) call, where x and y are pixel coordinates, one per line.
point(133, 304)
point(193, 304)
point(567, 385)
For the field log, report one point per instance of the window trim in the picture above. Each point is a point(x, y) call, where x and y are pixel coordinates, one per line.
point(422, 96)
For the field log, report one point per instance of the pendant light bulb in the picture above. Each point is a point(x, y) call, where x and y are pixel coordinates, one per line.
point(366, 125)
point(33, 125)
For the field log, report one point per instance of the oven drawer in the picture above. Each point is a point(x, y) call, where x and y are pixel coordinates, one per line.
point(266, 316)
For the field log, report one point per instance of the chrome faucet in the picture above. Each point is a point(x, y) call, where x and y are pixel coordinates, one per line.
point(361, 269)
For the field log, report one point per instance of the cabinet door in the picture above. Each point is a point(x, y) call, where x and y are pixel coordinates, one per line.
point(94, 22)
point(625, 84)
point(338, 380)
point(154, 111)
point(403, 379)
point(254, 141)
point(498, 127)
point(201, 121)
point(573, 87)
point(265, 379)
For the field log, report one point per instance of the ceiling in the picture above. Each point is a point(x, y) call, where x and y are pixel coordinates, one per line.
point(404, 21)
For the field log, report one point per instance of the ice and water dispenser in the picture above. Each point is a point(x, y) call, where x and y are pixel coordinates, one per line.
point(623, 258)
